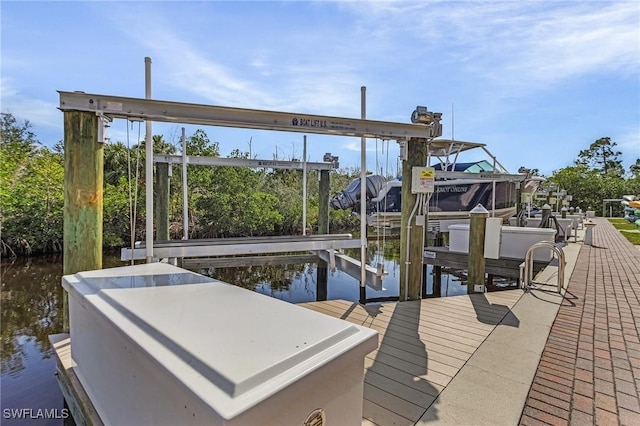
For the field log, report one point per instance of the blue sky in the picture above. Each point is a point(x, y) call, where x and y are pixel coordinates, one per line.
point(535, 81)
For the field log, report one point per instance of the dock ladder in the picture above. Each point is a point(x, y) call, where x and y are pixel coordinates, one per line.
point(526, 277)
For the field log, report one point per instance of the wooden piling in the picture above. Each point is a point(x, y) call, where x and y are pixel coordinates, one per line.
point(437, 281)
point(323, 228)
point(476, 268)
point(161, 195)
point(323, 207)
point(411, 277)
point(83, 198)
point(520, 203)
point(546, 216)
point(321, 281)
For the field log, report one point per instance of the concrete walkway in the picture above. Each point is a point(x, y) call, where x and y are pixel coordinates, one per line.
point(493, 385)
point(570, 361)
point(589, 372)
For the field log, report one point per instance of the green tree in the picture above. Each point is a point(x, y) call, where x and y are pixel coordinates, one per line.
point(31, 198)
point(634, 169)
point(160, 146)
point(17, 143)
point(116, 212)
point(597, 175)
point(118, 160)
point(199, 184)
point(601, 156)
point(17, 135)
point(32, 205)
point(633, 183)
point(238, 204)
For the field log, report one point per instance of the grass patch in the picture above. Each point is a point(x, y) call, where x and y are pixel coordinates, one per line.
point(620, 223)
point(628, 229)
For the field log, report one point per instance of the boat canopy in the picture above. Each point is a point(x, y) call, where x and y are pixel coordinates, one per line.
point(473, 167)
point(446, 147)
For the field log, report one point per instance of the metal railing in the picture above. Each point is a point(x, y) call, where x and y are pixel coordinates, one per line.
point(528, 264)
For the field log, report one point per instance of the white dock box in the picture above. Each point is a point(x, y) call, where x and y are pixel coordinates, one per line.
point(517, 240)
point(157, 345)
point(514, 243)
point(459, 238)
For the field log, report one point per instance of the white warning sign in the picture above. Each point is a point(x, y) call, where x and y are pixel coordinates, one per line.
point(423, 179)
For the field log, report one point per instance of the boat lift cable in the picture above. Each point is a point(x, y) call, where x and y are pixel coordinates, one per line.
point(185, 188)
point(133, 198)
point(377, 162)
point(380, 249)
point(425, 211)
point(378, 230)
point(384, 228)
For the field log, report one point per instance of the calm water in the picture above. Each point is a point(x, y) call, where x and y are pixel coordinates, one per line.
point(31, 310)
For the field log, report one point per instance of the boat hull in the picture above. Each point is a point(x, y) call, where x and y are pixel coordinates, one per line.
point(450, 201)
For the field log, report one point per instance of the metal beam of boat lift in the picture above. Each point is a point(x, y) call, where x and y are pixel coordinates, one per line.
point(239, 246)
point(352, 267)
point(189, 113)
point(326, 247)
point(241, 162)
point(480, 176)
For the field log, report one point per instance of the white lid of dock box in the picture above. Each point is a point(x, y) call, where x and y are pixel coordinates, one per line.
point(222, 348)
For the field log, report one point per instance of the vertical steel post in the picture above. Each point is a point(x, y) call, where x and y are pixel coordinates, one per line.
point(148, 149)
point(185, 193)
point(304, 185)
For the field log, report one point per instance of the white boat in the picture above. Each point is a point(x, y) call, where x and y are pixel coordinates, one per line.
point(458, 188)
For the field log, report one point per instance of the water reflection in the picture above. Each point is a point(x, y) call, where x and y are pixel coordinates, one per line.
point(31, 294)
point(31, 297)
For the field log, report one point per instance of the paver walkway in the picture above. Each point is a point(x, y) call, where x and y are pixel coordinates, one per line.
point(589, 373)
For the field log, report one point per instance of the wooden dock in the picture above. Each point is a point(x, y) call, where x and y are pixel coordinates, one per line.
point(423, 345)
point(76, 398)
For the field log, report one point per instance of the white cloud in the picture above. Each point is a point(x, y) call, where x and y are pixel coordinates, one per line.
point(273, 79)
point(23, 107)
point(185, 67)
point(519, 46)
point(574, 42)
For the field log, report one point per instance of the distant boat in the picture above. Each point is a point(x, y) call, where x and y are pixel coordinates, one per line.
point(631, 205)
point(459, 187)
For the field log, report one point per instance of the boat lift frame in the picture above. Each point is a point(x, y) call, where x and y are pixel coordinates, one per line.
point(209, 115)
point(109, 107)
